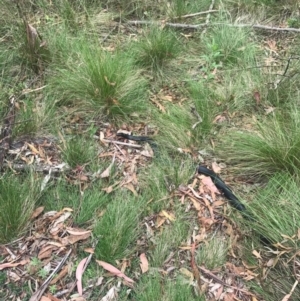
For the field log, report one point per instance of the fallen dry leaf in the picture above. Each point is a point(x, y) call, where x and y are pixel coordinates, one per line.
point(37, 212)
point(130, 187)
point(215, 167)
point(208, 183)
point(114, 270)
point(106, 172)
point(75, 231)
point(74, 238)
point(160, 221)
point(79, 272)
point(112, 295)
point(144, 263)
point(52, 298)
point(60, 275)
point(167, 97)
point(196, 204)
point(269, 110)
point(160, 106)
point(256, 97)
point(33, 149)
point(170, 216)
point(187, 273)
point(78, 298)
point(219, 119)
point(10, 265)
point(89, 250)
point(256, 254)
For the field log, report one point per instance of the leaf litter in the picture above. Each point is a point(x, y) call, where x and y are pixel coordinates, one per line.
point(53, 235)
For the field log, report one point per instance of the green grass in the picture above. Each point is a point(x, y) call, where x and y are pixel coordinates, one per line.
point(275, 209)
point(118, 228)
point(156, 287)
point(91, 205)
point(79, 151)
point(156, 48)
point(229, 46)
point(171, 237)
point(272, 148)
point(106, 82)
point(175, 126)
point(95, 73)
point(213, 254)
point(17, 201)
point(205, 105)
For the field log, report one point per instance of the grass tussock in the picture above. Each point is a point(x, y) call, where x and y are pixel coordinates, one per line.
point(276, 210)
point(157, 47)
point(272, 148)
point(151, 288)
point(229, 46)
point(79, 152)
point(104, 81)
point(17, 201)
point(205, 105)
point(118, 228)
point(213, 254)
point(175, 126)
point(172, 237)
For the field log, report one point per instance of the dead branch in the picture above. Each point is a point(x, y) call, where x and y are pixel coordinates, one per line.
point(38, 168)
point(162, 23)
point(122, 143)
point(197, 26)
point(258, 26)
point(198, 14)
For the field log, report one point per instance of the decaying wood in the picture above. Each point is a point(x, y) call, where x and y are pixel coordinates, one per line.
point(6, 132)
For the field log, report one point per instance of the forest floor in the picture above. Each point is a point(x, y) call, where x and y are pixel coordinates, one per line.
point(86, 213)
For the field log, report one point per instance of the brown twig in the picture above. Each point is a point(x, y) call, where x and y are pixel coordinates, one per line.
point(217, 279)
point(38, 294)
point(198, 14)
point(122, 143)
point(160, 23)
point(195, 268)
point(197, 26)
point(258, 26)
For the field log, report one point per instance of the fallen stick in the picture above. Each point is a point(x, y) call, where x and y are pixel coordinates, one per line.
point(121, 143)
point(258, 26)
point(198, 14)
point(197, 26)
point(39, 293)
point(162, 23)
point(217, 279)
point(37, 168)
